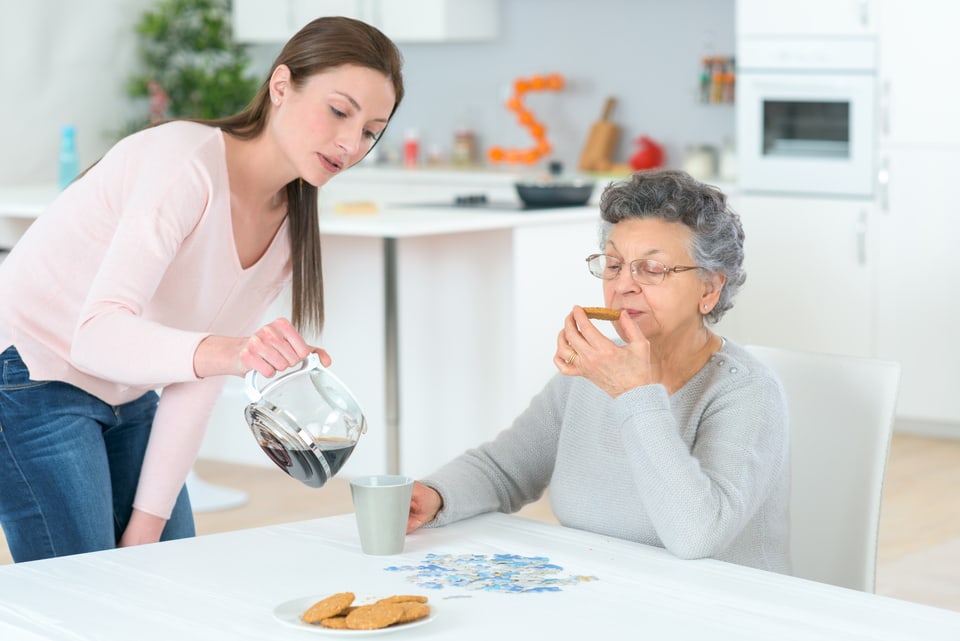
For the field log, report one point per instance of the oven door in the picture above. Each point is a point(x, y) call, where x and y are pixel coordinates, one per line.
point(806, 132)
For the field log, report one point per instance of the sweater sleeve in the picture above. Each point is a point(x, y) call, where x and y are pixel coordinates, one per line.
point(149, 234)
point(508, 472)
point(178, 428)
point(700, 498)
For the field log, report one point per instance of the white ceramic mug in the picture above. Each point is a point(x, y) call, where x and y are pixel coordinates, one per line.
point(381, 504)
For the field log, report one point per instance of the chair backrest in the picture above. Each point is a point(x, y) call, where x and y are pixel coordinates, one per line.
point(841, 412)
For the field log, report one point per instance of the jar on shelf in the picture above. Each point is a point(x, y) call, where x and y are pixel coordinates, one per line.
point(464, 147)
point(701, 161)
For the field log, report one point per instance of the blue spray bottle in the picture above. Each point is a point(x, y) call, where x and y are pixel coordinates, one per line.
point(69, 160)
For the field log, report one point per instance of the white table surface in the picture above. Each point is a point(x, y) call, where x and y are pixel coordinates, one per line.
point(226, 586)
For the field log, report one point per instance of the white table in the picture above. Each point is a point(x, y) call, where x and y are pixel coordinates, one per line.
point(226, 586)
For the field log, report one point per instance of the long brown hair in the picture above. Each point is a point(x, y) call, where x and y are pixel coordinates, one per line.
point(322, 44)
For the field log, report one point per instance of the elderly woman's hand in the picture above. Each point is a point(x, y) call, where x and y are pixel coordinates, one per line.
point(425, 503)
point(583, 350)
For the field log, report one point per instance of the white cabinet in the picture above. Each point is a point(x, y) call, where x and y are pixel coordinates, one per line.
point(479, 317)
point(405, 21)
point(811, 17)
point(917, 304)
point(256, 21)
point(809, 275)
point(438, 20)
point(274, 21)
point(919, 219)
point(919, 91)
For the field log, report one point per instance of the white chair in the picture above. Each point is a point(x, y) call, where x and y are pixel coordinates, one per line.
point(841, 412)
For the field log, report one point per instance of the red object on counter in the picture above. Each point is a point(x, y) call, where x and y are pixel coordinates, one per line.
point(411, 149)
point(649, 156)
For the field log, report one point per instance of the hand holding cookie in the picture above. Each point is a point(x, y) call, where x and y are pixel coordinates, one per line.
point(584, 350)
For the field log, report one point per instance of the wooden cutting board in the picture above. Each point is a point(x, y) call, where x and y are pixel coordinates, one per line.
point(604, 136)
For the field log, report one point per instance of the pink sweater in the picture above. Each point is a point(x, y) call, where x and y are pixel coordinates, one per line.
point(115, 285)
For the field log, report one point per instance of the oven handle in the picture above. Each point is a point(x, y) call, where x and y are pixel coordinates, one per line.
point(883, 184)
point(862, 225)
point(864, 13)
point(885, 107)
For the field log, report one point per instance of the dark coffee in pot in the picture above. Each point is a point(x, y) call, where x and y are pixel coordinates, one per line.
point(312, 468)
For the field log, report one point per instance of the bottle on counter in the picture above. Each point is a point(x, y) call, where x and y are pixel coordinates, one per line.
point(69, 159)
point(411, 148)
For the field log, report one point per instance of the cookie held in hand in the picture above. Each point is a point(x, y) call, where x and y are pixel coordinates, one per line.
point(602, 313)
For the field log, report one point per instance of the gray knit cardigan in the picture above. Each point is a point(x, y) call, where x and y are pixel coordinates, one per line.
point(703, 472)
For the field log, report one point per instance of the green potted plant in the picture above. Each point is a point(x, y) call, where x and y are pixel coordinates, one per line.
point(190, 65)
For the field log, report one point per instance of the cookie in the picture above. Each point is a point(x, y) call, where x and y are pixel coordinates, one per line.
point(335, 623)
point(404, 598)
point(602, 313)
point(328, 607)
point(413, 611)
point(375, 616)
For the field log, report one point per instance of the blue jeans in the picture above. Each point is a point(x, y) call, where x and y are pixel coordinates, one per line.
point(69, 466)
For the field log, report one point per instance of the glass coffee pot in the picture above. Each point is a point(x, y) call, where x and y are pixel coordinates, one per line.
point(305, 420)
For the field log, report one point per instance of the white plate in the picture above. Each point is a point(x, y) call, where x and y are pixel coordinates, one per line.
point(290, 612)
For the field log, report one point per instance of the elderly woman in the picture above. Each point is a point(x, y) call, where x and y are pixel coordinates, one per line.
point(672, 436)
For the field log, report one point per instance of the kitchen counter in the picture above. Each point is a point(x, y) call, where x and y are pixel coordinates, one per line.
point(19, 207)
point(26, 201)
point(393, 217)
point(406, 221)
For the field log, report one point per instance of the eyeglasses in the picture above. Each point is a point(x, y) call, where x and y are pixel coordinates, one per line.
point(643, 270)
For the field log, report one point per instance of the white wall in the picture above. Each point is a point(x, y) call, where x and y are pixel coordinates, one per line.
point(66, 62)
point(646, 53)
point(62, 62)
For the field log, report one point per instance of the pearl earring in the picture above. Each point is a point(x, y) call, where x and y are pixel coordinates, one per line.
point(704, 308)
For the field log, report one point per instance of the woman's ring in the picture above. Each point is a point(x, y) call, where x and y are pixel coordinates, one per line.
point(571, 358)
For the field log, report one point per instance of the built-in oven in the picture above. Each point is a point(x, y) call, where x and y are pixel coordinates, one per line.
point(805, 115)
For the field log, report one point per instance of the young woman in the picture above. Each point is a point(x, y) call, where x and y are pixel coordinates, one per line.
point(152, 272)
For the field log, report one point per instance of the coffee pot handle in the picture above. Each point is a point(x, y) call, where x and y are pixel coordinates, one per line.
point(253, 378)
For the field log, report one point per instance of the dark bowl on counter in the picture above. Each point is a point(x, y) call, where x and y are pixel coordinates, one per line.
point(555, 194)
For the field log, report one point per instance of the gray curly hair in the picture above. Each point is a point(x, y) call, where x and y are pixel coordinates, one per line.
point(674, 196)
